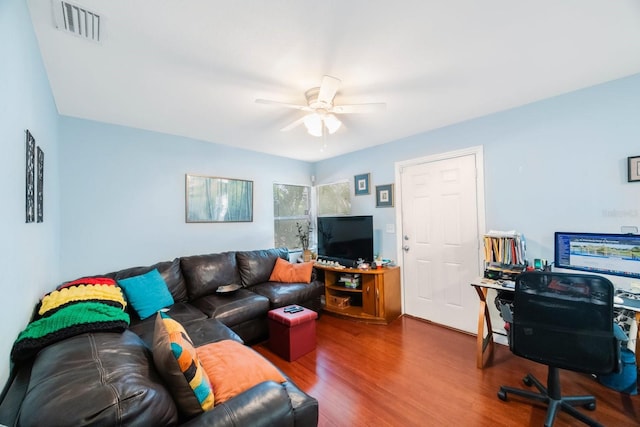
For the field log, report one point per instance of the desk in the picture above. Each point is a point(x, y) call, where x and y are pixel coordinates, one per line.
point(485, 343)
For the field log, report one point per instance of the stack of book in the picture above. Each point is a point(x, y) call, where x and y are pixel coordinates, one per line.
point(504, 248)
point(504, 254)
point(350, 280)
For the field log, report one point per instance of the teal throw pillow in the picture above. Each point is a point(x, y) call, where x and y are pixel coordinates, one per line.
point(147, 294)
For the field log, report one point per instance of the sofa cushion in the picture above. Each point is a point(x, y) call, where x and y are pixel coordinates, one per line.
point(241, 306)
point(201, 330)
point(281, 294)
point(97, 379)
point(286, 272)
point(234, 368)
point(181, 312)
point(256, 266)
point(177, 361)
point(210, 330)
point(147, 293)
point(170, 272)
point(204, 273)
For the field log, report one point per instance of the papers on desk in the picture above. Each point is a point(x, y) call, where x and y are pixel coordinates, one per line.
point(507, 283)
point(498, 283)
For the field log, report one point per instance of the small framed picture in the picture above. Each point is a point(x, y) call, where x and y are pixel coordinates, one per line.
point(634, 169)
point(384, 196)
point(361, 184)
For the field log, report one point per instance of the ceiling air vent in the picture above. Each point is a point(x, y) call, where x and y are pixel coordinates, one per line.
point(77, 20)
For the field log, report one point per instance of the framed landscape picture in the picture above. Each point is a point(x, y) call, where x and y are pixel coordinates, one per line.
point(361, 184)
point(216, 199)
point(384, 196)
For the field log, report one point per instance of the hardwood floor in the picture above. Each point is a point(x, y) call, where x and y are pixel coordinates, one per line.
point(414, 373)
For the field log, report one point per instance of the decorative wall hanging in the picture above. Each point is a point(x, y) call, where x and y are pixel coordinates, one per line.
point(633, 169)
point(30, 178)
point(361, 184)
point(215, 199)
point(40, 185)
point(384, 196)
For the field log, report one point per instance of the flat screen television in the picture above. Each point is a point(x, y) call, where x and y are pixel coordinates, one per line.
point(345, 239)
point(614, 254)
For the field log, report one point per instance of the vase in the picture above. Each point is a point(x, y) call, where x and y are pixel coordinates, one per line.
point(306, 255)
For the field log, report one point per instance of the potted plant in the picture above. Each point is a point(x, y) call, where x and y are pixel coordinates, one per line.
point(303, 236)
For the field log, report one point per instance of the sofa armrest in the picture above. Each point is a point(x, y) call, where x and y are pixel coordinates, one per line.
point(13, 394)
point(305, 407)
point(266, 404)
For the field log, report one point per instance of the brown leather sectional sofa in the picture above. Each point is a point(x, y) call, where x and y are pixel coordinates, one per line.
point(109, 378)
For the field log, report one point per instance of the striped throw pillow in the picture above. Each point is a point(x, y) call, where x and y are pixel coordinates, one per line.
point(177, 362)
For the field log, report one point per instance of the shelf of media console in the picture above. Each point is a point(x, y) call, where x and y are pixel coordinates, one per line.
point(345, 288)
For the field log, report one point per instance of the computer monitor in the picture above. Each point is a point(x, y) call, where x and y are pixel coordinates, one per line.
point(599, 253)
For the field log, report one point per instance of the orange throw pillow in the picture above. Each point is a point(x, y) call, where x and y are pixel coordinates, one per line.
point(286, 272)
point(233, 368)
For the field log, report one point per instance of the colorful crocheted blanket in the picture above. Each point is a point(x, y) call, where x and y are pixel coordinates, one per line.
point(77, 307)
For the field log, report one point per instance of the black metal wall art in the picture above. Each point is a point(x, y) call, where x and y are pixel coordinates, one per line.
point(40, 186)
point(34, 177)
point(30, 178)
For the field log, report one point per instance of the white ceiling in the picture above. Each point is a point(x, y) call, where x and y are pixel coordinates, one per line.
point(194, 68)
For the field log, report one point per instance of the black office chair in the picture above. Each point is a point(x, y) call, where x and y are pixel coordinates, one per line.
point(564, 321)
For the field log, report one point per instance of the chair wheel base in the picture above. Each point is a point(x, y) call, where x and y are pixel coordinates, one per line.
point(554, 400)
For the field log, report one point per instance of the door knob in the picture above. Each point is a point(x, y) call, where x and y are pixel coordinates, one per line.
point(405, 248)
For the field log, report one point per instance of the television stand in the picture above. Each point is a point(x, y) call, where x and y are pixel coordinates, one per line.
point(376, 299)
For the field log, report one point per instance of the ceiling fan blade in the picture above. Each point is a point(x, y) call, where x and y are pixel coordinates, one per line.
point(328, 89)
point(283, 104)
point(359, 108)
point(293, 125)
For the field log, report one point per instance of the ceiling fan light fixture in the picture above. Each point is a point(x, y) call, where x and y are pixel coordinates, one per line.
point(321, 118)
point(332, 123)
point(313, 123)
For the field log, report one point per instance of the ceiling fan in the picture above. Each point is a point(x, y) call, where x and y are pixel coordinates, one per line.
point(321, 109)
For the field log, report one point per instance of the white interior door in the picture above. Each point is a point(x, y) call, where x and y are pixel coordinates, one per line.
point(440, 239)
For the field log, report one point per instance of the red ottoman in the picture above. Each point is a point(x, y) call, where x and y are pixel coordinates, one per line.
point(292, 335)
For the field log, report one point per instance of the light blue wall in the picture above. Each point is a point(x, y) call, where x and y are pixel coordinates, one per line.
point(28, 252)
point(123, 196)
point(554, 165)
